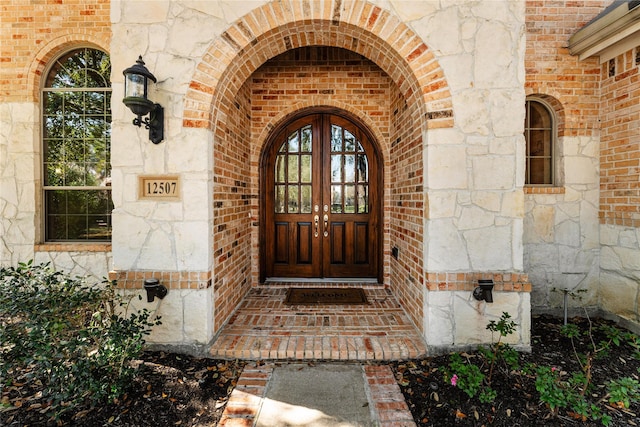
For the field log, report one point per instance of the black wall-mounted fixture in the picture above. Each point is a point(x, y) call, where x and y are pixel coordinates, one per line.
point(483, 291)
point(136, 86)
point(154, 289)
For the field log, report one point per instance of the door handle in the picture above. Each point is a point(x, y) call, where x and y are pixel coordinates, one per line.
point(326, 225)
point(316, 219)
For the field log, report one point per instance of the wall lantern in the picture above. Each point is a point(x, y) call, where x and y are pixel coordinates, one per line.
point(136, 82)
point(154, 289)
point(483, 291)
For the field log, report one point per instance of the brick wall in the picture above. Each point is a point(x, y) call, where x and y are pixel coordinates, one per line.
point(231, 208)
point(33, 32)
point(552, 72)
point(620, 140)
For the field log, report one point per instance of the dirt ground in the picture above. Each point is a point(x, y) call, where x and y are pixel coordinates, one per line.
point(178, 390)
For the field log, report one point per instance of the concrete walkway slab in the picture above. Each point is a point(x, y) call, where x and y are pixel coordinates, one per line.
point(316, 395)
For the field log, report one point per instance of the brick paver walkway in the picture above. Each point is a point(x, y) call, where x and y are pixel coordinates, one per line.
point(265, 328)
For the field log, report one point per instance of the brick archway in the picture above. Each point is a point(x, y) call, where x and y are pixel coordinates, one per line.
point(357, 26)
point(215, 101)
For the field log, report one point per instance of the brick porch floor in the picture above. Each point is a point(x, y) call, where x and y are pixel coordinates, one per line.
point(264, 327)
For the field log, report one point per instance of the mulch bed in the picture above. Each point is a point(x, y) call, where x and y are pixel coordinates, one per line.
point(177, 390)
point(435, 402)
point(171, 390)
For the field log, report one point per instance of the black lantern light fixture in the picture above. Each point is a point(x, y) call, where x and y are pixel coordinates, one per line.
point(136, 84)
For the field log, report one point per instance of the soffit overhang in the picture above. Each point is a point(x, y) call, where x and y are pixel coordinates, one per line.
point(618, 24)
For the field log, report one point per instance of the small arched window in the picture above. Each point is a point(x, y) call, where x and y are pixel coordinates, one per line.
point(539, 134)
point(76, 137)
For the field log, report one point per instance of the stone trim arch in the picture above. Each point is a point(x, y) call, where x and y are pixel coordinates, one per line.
point(358, 26)
point(41, 59)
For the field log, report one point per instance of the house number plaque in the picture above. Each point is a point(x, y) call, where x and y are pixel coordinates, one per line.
point(159, 187)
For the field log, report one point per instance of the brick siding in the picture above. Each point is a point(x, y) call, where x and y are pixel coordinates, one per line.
point(620, 140)
point(34, 32)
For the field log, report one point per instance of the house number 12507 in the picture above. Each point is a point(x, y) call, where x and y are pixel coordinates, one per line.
point(165, 187)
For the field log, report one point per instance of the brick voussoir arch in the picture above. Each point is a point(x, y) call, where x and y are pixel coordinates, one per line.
point(277, 27)
point(51, 49)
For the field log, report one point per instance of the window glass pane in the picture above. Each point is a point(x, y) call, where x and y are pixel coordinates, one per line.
point(336, 199)
point(349, 168)
point(293, 199)
point(336, 168)
point(539, 116)
point(305, 199)
point(336, 138)
point(280, 199)
point(292, 173)
point(76, 146)
point(78, 215)
point(349, 199)
point(294, 143)
point(55, 174)
point(305, 168)
point(307, 140)
point(539, 139)
point(280, 168)
point(349, 141)
point(362, 168)
point(540, 171)
point(363, 198)
point(539, 143)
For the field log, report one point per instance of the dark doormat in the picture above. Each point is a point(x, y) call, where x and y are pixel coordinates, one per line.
point(325, 296)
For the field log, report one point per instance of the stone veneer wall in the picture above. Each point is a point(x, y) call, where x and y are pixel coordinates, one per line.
point(561, 222)
point(455, 151)
point(32, 35)
point(620, 185)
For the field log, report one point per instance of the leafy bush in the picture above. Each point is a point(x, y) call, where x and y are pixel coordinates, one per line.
point(67, 336)
point(469, 377)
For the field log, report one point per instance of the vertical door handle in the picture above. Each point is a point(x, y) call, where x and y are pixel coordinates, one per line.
point(316, 219)
point(326, 225)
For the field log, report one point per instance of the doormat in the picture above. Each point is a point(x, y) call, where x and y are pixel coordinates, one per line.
point(325, 296)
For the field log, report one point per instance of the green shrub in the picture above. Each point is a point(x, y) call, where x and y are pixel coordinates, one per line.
point(67, 336)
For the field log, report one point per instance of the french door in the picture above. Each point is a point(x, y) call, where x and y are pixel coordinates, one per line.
point(321, 206)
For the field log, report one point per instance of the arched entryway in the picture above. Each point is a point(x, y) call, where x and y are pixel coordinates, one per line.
point(321, 199)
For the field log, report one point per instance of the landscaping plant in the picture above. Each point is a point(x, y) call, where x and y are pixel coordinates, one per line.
point(67, 338)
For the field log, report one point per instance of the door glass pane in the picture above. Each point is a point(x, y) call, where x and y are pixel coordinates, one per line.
point(293, 199)
point(336, 199)
point(349, 141)
point(294, 142)
point(336, 168)
point(349, 199)
point(363, 198)
point(305, 168)
point(280, 198)
point(349, 168)
point(280, 169)
point(306, 139)
point(305, 199)
point(336, 138)
point(362, 168)
point(293, 169)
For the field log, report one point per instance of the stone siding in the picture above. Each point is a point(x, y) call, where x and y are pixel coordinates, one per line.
point(560, 230)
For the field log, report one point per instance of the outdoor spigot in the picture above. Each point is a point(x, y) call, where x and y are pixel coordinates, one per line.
point(154, 289)
point(483, 291)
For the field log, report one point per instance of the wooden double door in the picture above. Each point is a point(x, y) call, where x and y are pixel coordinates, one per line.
point(321, 207)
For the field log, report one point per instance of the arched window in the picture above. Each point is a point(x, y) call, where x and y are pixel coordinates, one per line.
point(539, 134)
point(76, 136)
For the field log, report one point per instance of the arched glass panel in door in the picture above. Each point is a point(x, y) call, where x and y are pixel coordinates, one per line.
point(293, 186)
point(349, 173)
